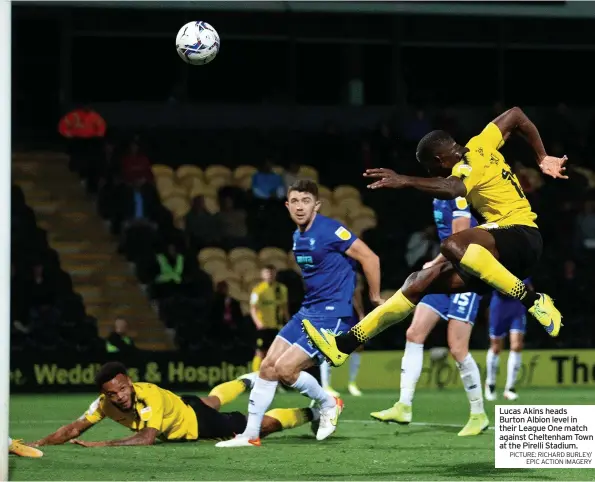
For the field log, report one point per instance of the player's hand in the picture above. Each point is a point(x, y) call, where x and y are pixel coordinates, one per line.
point(554, 166)
point(377, 300)
point(427, 265)
point(387, 179)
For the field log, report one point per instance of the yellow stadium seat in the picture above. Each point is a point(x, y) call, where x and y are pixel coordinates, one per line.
point(191, 183)
point(308, 172)
point(203, 190)
point(359, 225)
point(217, 170)
point(242, 253)
point(250, 279)
point(244, 183)
point(267, 254)
point(347, 205)
point(245, 265)
point(244, 171)
point(361, 212)
point(188, 170)
point(215, 267)
point(324, 193)
point(327, 209)
point(178, 205)
point(165, 182)
point(235, 291)
point(217, 182)
point(278, 170)
point(166, 191)
point(212, 204)
point(207, 254)
point(344, 192)
point(279, 263)
point(160, 170)
point(242, 297)
point(245, 307)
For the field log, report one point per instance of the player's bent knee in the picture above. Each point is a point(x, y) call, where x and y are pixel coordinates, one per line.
point(453, 249)
point(288, 374)
point(458, 351)
point(413, 335)
point(268, 370)
point(516, 346)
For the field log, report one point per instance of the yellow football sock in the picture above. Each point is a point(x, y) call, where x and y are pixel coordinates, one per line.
point(228, 391)
point(395, 309)
point(256, 362)
point(291, 417)
point(479, 262)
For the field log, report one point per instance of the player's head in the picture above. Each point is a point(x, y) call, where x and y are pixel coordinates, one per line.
point(302, 202)
point(438, 153)
point(113, 381)
point(268, 273)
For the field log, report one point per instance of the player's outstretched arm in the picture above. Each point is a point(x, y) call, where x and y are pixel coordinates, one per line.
point(147, 436)
point(370, 262)
point(66, 433)
point(516, 120)
point(440, 188)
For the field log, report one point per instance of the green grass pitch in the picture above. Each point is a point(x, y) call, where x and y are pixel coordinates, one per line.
point(361, 449)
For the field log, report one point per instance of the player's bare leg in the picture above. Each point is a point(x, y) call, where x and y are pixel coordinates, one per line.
point(492, 362)
point(424, 321)
point(459, 333)
point(440, 278)
point(474, 251)
point(514, 364)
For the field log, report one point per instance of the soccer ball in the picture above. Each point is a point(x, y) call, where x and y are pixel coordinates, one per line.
point(197, 43)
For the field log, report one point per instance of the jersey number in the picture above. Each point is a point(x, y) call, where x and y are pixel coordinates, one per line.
point(509, 176)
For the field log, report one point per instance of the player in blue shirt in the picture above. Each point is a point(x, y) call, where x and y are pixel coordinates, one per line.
point(460, 310)
point(507, 317)
point(327, 254)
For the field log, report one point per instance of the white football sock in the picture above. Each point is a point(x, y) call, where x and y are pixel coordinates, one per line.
point(411, 365)
point(514, 365)
point(472, 382)
point(325, 374)
point(354, 362)
point(492, 361)
point(261, 397)
point(308, 386)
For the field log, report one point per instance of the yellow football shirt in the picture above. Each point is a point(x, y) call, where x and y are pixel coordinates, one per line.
point(155, 408)
point(492, 188)
point(268, 300)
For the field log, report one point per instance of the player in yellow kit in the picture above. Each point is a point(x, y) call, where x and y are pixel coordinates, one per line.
point(158, 414)
point(497, 255)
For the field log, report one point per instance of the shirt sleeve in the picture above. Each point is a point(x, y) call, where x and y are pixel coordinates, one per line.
point(470, 175)
point(94, 413)
point(341, 238)
point(152, 411)
point(460, 208)
point(491, 136)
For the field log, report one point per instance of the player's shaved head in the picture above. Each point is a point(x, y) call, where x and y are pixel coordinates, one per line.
point(437, 152)
point(108, 372)
point(304, 185)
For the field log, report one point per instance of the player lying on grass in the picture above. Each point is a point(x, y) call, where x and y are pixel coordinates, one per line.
point(158, 414)
point(497, 255)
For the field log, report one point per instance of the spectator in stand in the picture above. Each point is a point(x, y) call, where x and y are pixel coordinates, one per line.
point(41, 291)
point(291, 175)
point(136, 166)
point(171, 273)
point(585, 228)
point(118, 340)
point(417, 126)
point(267, 184)
point(202, 227)
point(226, 315)
point(233, 223)
point(421, 247)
